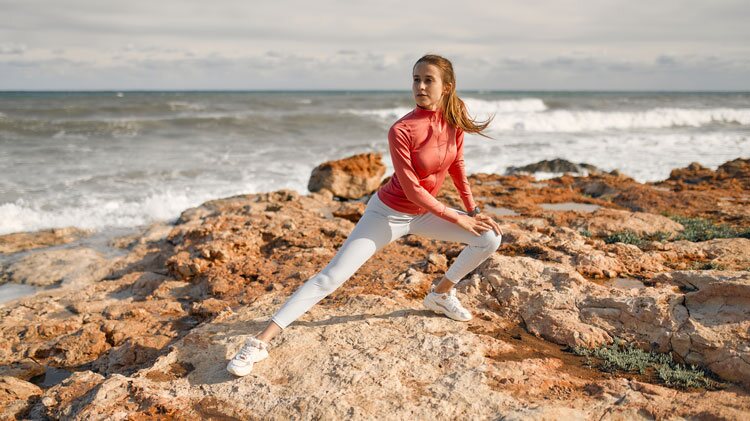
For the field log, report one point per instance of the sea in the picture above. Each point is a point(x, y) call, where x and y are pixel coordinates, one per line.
point(113, 161)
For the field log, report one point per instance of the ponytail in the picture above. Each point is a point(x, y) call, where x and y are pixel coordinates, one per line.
point(453, 107)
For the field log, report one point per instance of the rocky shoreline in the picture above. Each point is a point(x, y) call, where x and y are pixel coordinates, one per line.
point(145, 332)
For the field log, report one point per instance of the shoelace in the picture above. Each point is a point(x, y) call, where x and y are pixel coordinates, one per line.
point(453, 303)
point(246, 350)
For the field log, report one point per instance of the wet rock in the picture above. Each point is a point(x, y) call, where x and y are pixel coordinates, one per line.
point(556, 165)
point(735, 173)
point(20, 241)
point(153, 233)
point(349, 178)
point(77, 266)
point(694, 173)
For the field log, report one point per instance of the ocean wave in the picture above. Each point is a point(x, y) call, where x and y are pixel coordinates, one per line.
point(185, 106)
point(100, 211)
point(475, 106)
point(586, 121)
point(523, 105)
point(532, 115)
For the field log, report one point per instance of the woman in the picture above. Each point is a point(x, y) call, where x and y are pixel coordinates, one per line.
point(425, 144)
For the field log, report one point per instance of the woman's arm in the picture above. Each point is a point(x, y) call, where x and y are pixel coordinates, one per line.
point(458, 173)
point(398, 143)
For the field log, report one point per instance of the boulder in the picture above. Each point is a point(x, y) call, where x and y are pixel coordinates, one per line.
point(349, 178)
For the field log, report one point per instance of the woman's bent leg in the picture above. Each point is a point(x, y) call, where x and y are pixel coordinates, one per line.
point(373, 232)
point(478, 247)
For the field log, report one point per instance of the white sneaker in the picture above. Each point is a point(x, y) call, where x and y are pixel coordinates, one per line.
point(252, 351)
point(447, 304)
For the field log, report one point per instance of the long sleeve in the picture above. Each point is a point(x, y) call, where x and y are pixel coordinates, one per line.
point(398, 143)
point(458, 173)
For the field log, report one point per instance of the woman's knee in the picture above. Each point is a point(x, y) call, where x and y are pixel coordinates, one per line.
point(325, 282)
point(491, 241)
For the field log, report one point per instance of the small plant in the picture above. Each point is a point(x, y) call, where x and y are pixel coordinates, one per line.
point(627, 358)
point(584, 232)
point(632, 237)
point(660, 236)
point(627, 237)
point(699, 229)
point(683, 377)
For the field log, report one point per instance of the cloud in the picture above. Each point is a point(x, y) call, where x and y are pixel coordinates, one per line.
point(550, 44)
point(12, 49)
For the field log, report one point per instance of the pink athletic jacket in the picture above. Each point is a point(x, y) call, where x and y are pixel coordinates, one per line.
point(423, 148)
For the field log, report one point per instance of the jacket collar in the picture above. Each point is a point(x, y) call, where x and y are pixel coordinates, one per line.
point(423, 112)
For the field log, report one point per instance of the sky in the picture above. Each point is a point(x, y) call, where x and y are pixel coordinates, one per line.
point(357, 45)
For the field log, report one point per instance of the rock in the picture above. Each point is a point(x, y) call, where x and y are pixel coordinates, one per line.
point(351, 211)
point(556, 165)
point(716, 334)
point(63, 400)
point(15, 397)
point(209, 308)
point(349, 178)
point(24, 369)
point(604, 221)
point(20, 241)
point(161, 326)
point(735, 173)
point(694, 173)
point(80, 347)
point(705, 327)
point(76, 266)
point(155, 232)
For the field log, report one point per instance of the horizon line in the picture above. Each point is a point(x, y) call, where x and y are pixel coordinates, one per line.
point(371, 90)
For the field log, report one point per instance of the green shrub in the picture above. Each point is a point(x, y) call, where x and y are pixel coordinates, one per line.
point(627, 237)
point(699, 229)
point(683, 377)
point(660, 236)
point(627, 358)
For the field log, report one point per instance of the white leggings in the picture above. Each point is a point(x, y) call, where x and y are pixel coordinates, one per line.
point(379, 226)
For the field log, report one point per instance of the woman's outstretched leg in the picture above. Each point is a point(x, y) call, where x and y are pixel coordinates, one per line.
point(373, 232)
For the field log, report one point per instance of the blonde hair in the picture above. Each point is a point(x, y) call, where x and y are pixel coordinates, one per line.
point(453, 108)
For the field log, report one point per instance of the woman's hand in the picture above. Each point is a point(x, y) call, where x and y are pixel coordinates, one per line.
point(478, 224)
point(488, 219)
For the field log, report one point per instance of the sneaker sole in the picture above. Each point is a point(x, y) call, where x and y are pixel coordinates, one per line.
point(439, 310)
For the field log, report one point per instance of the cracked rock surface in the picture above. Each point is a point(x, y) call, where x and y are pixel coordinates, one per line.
point(146, 333)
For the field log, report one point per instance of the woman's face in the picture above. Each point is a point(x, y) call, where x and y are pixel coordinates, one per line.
point(427, 86)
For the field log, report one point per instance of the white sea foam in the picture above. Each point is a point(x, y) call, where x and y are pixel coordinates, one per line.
point(532, 115)
point(523, 105)
point(586, 121)
point(98, 211)
point(645, 157)
point(475, 106)
point(382, 113)
point(185, 106)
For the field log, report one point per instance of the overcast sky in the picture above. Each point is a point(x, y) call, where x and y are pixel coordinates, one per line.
point(328, 44)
